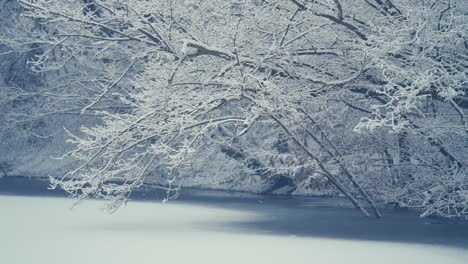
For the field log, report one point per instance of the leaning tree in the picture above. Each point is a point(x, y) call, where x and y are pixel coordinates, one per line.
point(371, 95)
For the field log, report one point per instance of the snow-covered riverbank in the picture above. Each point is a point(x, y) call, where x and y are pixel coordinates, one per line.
point(43, 230)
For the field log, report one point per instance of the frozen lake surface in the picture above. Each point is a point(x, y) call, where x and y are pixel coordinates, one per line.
point(44, 230)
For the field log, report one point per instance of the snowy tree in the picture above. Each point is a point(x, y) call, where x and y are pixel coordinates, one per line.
point(328, 88)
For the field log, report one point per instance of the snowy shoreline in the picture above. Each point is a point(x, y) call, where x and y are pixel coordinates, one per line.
point(213, 232)
point(301, 216)
point(38, 186)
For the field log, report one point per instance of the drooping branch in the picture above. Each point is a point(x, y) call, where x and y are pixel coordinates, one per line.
point(326, 172)
point(336, 154)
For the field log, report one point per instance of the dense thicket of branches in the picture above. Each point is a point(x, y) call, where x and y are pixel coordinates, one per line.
point(365, 98)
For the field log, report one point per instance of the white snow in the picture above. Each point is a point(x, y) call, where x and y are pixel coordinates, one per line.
point(37, 230)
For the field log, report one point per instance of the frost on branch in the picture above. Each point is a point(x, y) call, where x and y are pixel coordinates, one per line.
point(365, 99)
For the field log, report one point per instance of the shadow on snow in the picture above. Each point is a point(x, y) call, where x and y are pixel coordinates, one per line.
point(286, 215)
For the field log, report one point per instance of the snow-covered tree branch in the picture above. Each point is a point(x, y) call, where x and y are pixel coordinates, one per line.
point(371, 95)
